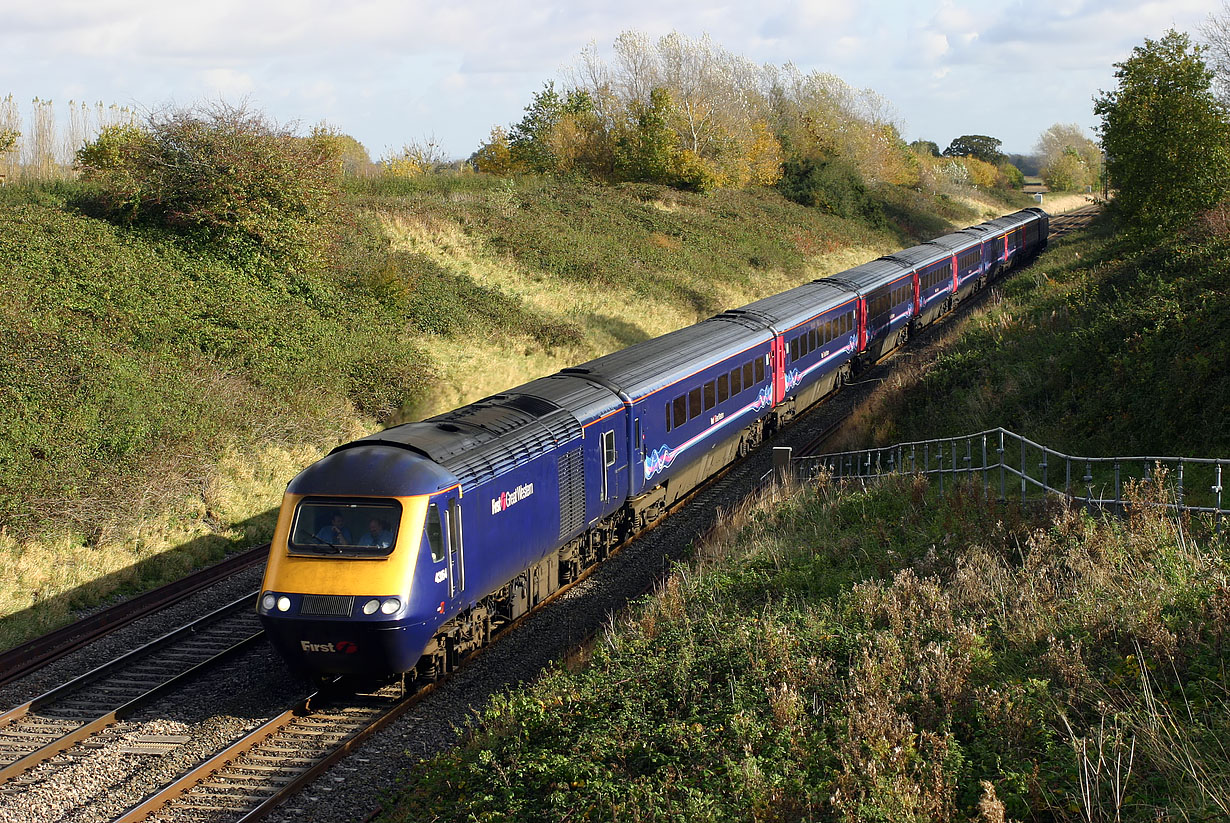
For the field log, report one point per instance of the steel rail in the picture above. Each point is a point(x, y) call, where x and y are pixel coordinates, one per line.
point(20, 660)
point(114, 716)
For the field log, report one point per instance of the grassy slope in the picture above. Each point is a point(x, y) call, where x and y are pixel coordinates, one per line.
point(156, 397)
point(931, 658)
point(928, 658)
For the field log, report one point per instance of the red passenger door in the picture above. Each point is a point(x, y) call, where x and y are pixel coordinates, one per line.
point(779, 369)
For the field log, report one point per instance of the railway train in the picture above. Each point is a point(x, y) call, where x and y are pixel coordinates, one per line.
point(401, 552)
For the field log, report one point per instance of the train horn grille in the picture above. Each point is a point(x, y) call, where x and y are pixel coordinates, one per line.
point(327, 605)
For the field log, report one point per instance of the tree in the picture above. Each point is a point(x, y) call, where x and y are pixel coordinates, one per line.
point(530, 141)
point(1067, 172)
point(980, 146)
point(8, 139)
point(925, 148)
point(353, 158)
point(494, 156)
point(1165, 134)
point(1010, 176)
point(1070, 160)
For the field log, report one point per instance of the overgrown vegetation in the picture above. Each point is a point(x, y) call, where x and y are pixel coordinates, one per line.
point(888, 654)
point(143, 359)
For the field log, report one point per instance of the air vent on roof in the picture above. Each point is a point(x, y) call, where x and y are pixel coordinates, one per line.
point(531, 405)
point(448, 427)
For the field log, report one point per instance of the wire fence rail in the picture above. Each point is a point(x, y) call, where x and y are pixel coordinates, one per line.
point(1004, 459)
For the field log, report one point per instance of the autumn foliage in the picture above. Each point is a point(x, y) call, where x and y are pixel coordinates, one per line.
point(689, 114)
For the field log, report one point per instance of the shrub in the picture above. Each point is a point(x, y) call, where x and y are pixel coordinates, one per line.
point(830, 185)
point(222, 172)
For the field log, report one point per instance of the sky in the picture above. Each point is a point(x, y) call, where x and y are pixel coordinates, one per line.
point(389, 72)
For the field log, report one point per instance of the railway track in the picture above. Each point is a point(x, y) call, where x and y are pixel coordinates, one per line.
point(1076, 220)
point(250, 776)
point(19, 661)
point(52, 728)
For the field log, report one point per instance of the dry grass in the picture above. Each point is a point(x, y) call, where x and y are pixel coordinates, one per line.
point(231, 508)
point(612, 317)
point(1062, 203)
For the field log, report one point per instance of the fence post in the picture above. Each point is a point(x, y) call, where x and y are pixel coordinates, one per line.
point(986, 480)
point(1217, 493)
point(1180, 499)
point(781, 462)
point(1045, 488)
point(939, 458)
point(1118, 496)
point(1024, 469)
point(1003, 492)
point(1088, 478)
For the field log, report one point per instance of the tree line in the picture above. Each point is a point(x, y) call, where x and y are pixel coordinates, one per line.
point(687, 113)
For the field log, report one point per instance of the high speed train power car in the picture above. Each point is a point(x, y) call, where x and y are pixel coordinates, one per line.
point(402, 551)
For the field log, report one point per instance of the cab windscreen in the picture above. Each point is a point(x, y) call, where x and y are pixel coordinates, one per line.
point(349, 528)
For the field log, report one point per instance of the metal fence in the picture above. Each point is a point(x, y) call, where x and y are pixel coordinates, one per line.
point(1001, 459)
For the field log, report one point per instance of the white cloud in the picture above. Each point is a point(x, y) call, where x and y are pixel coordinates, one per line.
point(227, 83)
point(391, 70)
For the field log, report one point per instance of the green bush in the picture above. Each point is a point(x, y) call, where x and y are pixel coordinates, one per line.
point(831, 185)
point(221, 173)
point(887, 654)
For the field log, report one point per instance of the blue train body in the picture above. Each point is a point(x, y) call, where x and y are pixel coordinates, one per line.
point(404, 549)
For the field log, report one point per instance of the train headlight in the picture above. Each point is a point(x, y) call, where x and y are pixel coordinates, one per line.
point(390, 606)
point(370, 606)
point(268, 601)
point(283, 603)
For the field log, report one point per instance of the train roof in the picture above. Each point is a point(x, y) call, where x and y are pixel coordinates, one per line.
point(1011, 221)
point(923, 255)
point(586, 400)
point(788, 309)
point(375, 470)
point(645, 367)
point(959, 240)
point(483, 439)
point(871, 275)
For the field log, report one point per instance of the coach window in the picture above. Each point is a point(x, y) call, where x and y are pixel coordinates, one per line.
point(723, 386)
point(435, 534)
point(759, 370)
point(666, 415)
point(681, 410)
point(811, 340)
point(710, 398)
point(694, 403)
point(736, 380)
point(794, 349)
point(749, 376)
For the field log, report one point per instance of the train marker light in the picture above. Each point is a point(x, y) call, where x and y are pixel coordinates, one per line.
point(370, 606)
point(283, 603)
point(390, 606)
point(268, 601)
